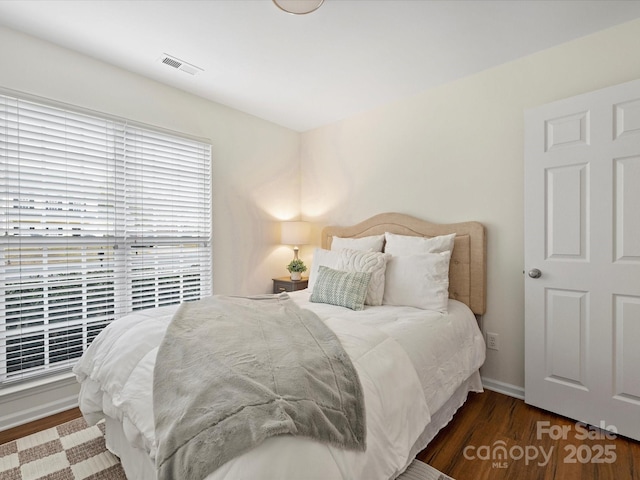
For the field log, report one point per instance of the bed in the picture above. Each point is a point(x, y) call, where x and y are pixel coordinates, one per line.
point(415, 372)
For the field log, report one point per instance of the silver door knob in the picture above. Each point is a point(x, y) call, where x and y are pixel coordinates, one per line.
point(535, 273)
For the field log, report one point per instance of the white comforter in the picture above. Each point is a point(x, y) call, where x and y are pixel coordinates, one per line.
point(409, 362)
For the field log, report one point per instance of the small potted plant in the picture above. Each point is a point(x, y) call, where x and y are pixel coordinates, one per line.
point(296, 267)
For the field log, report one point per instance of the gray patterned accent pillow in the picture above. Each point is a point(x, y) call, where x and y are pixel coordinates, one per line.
point(337, 287)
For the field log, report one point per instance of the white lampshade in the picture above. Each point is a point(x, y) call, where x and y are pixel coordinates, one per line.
point(295, 233)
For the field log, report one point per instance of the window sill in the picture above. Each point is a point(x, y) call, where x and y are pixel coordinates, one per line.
point(37, 384)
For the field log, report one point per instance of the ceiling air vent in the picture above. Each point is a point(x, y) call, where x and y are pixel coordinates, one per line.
point(179, 64)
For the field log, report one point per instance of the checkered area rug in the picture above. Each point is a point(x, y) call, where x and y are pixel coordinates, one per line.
point(75, 451)
point(71, 451)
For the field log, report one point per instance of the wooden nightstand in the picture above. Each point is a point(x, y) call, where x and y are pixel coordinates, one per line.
point(285, 284)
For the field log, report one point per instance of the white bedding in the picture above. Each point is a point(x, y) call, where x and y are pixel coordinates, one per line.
point(409, 361)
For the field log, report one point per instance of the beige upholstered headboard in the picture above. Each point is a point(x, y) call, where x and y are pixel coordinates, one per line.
point(468, 267)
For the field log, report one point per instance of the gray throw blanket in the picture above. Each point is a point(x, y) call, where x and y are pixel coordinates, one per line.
point(233, 371)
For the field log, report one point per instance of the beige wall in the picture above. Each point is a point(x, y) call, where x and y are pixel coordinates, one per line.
point(455, 153)
point(255, 162)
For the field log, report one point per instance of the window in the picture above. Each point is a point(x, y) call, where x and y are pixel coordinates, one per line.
point(99, 218)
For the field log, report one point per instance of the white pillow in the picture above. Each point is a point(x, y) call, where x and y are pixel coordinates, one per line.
point(374, 263)
point(354, 261)
point(372, 243)
point(326, 258)
point(408, 245)
point(420, 281)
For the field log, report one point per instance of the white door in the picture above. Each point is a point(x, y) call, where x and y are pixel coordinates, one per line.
point(582, 232)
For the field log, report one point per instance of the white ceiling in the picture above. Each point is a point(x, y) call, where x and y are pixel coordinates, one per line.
point(306, 71)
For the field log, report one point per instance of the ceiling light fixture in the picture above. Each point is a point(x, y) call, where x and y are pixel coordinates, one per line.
point(298, 7)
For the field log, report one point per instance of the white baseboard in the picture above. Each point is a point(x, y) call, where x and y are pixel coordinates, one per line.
point(28, 402)
point(504, 388)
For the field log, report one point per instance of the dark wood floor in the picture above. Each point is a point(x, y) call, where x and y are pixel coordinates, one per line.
point(489, 420)
point(33, 427)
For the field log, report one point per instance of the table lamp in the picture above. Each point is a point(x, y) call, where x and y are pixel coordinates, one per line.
point(295, 233)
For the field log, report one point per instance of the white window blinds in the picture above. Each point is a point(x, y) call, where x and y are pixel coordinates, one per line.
point(99, 218)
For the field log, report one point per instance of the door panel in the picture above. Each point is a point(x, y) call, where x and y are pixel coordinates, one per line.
point(582, 231)
point(626, 208)
point(566, 337)
point(627, 118)
point(566, 189)
point(627, 353)
point(568, 131)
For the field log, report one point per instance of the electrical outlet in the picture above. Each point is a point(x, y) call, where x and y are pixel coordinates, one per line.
point(493, 341)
